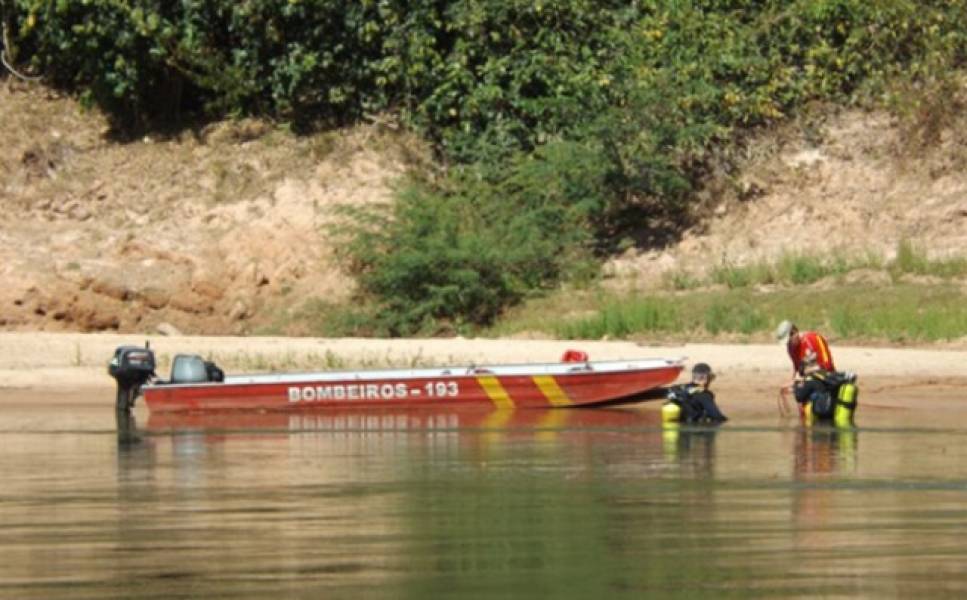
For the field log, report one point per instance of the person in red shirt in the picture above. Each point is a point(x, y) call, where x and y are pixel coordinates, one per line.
point(809, 352)
point(806, 349)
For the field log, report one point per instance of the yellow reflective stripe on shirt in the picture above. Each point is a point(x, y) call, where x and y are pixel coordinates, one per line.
point(823, 349)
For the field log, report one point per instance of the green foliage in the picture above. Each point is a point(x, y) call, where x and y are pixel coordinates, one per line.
point(145, 61)
point(97, 48)
point(460, 257)
point(476, 76)
point(484, 78)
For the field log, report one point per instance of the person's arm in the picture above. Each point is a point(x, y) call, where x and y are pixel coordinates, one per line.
point(711, 410)
point(793, 352)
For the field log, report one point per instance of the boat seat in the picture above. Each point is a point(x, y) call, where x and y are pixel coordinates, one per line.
point(188, 368)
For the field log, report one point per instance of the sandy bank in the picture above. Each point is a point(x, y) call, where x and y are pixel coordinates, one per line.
point(70, 360)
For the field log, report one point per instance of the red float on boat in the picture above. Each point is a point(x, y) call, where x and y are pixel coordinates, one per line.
point(198, 385)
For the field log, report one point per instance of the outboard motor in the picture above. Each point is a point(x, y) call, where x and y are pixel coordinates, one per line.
point(131, 367)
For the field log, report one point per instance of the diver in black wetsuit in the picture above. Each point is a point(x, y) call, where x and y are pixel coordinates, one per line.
point(696, 400)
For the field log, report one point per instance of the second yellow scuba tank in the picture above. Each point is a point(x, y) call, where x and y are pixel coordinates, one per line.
point(845, 405)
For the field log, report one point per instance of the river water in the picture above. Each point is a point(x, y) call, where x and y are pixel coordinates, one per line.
point(562, 504)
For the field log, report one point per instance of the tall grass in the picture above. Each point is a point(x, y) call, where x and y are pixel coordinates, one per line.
point(903, 313)
point(794, 269)
point(740, 276)
point(791, 269)
point(623, 318)
point(913, 260)
point(896, 313)
point(681, 280)
point(722, 316)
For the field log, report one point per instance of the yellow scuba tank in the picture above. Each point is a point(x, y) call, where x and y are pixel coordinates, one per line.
point(845, 405)
point(808, 417)
point(671, 412)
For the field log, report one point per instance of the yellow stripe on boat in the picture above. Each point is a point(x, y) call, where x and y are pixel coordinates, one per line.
point(555, 395)
point(496, 392)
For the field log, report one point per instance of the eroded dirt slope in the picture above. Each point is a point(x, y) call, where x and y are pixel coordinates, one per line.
point(216, 230)
point(848, 184)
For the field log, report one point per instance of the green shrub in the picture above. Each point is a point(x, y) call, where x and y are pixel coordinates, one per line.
point(462, 257)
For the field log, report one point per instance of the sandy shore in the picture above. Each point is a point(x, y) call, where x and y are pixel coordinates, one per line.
point(59, 361)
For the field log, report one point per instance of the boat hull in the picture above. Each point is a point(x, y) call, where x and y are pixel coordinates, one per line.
point(511, 387)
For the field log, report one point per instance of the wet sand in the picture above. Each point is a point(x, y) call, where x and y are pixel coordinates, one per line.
point(70, 368)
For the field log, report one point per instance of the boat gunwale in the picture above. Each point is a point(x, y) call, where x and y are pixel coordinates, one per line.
point(557, 369)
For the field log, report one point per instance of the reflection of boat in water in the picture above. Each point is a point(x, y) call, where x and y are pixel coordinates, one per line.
point(197, 385)
point(476, 434)
point(397, 420)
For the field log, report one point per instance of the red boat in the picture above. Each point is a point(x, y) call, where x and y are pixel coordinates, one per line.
point(198, 385)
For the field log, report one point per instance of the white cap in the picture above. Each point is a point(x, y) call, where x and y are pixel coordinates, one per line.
point(783, 331)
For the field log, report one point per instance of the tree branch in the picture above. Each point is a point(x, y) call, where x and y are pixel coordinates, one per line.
point(8, 52)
